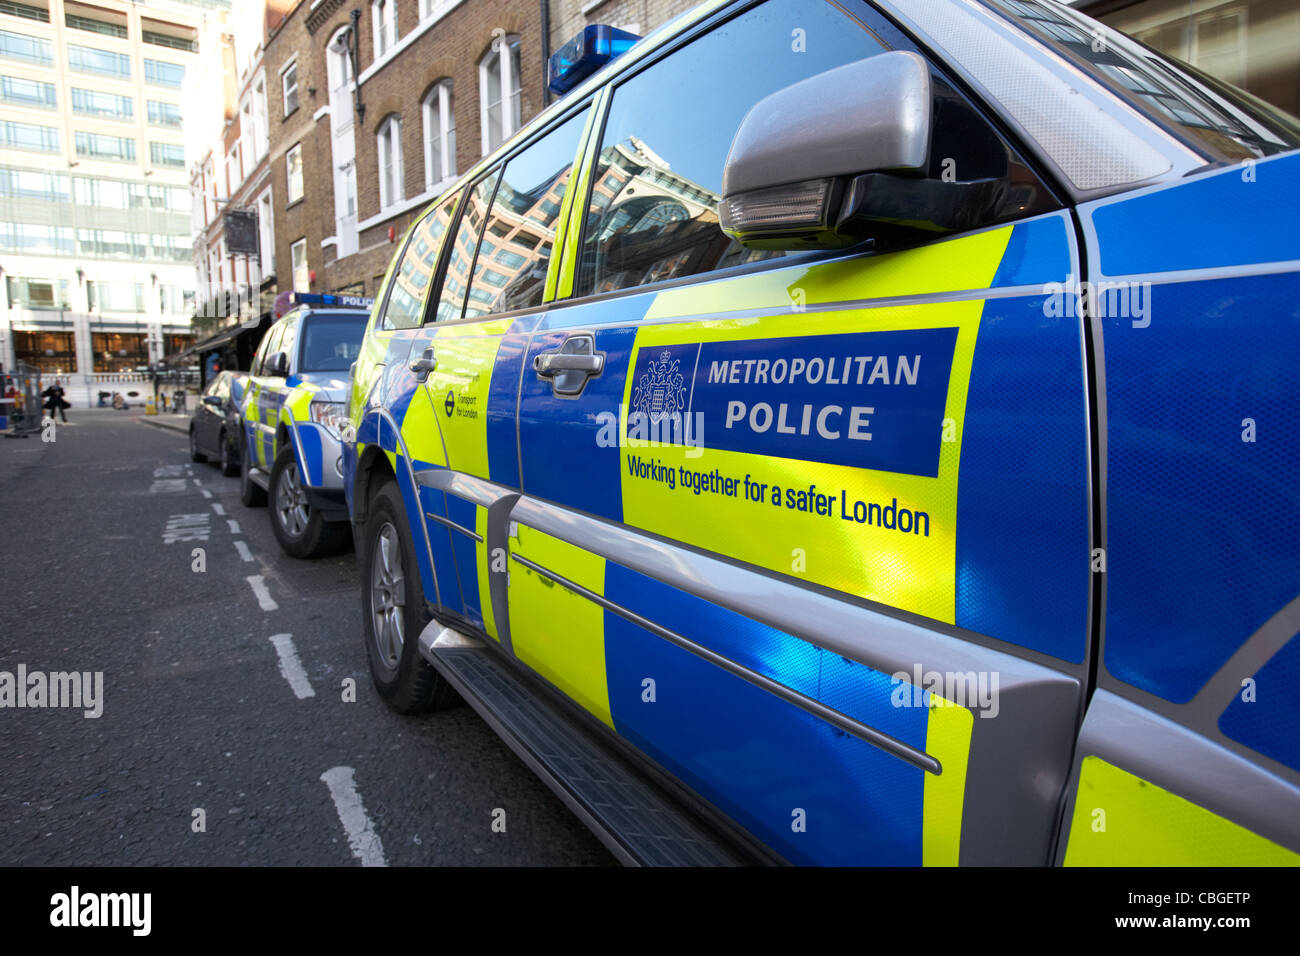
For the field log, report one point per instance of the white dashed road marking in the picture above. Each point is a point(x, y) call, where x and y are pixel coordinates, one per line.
point(217, 509)
point(362, 837)
point(234, 525)
point(243, 551)
point(291, 667)
point(263, 595)
point(205, 493)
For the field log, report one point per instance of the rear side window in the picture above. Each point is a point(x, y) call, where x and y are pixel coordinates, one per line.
point(451, 303)
point(653, 205)
point(510, 272)
point(405, 306)
point(270, 346)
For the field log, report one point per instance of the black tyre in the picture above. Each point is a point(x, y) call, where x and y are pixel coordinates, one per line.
point(394, 611)
point(249, 493)
point(195, 454)
point(299, 527)
point(229, 466)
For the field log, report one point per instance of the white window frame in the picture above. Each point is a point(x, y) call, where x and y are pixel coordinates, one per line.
point(266, 231)
point(384, 31)
point(388, 153)
point(299, 270)
point(261, 121)
point(504, 57)
point(439, 121)
point(290, 198)
point(290, 67)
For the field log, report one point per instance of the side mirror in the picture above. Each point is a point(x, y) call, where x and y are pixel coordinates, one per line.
point(213, 400)
point(277, 364)
point(838, 158)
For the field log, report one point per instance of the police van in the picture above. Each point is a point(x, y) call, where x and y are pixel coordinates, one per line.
point(857, 432)
point(292, 405)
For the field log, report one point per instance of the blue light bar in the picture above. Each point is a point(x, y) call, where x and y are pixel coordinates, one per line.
point(288, 300)
point(587, 52)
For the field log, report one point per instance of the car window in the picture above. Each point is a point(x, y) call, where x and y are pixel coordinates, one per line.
point(404, 308)
point(510, 272)
point(653, 204)
point(287, 339)
point(451, 300)
point(270, 345)
point(331, 341)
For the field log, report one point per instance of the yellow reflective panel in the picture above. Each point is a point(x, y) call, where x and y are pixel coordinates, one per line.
point(1122, 820)
point(947, 739)
point(557, 633)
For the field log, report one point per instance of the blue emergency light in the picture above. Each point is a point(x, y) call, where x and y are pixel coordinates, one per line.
point(587, 52)
point(288, 300)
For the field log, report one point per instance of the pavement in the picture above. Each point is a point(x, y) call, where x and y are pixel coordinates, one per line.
point(239, 724)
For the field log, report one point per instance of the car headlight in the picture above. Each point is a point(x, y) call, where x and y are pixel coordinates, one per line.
point(333, 416)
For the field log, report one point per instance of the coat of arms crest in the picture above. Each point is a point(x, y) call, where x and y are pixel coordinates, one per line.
point(661, 390)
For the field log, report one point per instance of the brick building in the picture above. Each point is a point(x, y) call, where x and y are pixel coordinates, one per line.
point(441, 83)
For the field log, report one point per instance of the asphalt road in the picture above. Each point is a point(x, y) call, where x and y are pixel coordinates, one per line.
point(198, 713)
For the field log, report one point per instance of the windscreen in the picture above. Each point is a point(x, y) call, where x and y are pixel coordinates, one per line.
point(330, 341)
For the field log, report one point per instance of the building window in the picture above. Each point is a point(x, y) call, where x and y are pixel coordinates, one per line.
point(119, 351)
point(19, 46)
point(102, 146)
point(103, 105)
point(439, 135)
point(266, 234)
point(91, 25)
point(188, 44)
point(115, 296)
point(390, 161)
point(48, 351)
point(301, 275)
point(24, 10)
point(38, 139)
point(383, 18)
point(84, 59)
point(260, 130)
point(166, 154)
point(498, 83)
point(289, 81)
point(164, 114)
point(293, 165)
point(158, 73)
point(32, 93)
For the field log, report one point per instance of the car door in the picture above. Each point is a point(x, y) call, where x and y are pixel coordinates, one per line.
point(491, 296)
point(250, 409)
point(395, 419)
point(811, 532)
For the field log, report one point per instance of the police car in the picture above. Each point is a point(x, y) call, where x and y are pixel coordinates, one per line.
point(883, 456)
point(291, 407)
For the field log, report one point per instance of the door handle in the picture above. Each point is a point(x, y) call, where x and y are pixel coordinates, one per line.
point(426, 363)
point(569, 366)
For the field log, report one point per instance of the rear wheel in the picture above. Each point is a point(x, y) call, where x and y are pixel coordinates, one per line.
point(394, 610)
point(250, 493)
point(195, 454)
point(229, 468)
point(299, 527)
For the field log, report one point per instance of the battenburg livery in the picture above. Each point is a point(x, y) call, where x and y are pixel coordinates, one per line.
point(292, 412)
point(855, 460)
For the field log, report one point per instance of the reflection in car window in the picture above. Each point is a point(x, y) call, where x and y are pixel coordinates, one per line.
point(451, 304)
point(522, 223)
point(653, 211)
point(1223, 121)
point(331, 341)
point(405, 306)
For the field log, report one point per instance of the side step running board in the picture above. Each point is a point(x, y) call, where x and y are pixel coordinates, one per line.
point(636, 820)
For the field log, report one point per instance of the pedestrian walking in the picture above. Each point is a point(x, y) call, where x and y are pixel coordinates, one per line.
point(55, 402)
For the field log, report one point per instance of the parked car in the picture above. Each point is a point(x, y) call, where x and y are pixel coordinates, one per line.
point(290, 408)
point(214, 426)
point(854, 459)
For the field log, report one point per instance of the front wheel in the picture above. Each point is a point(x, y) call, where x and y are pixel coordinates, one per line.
point(299, 527)
point(394, 611)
